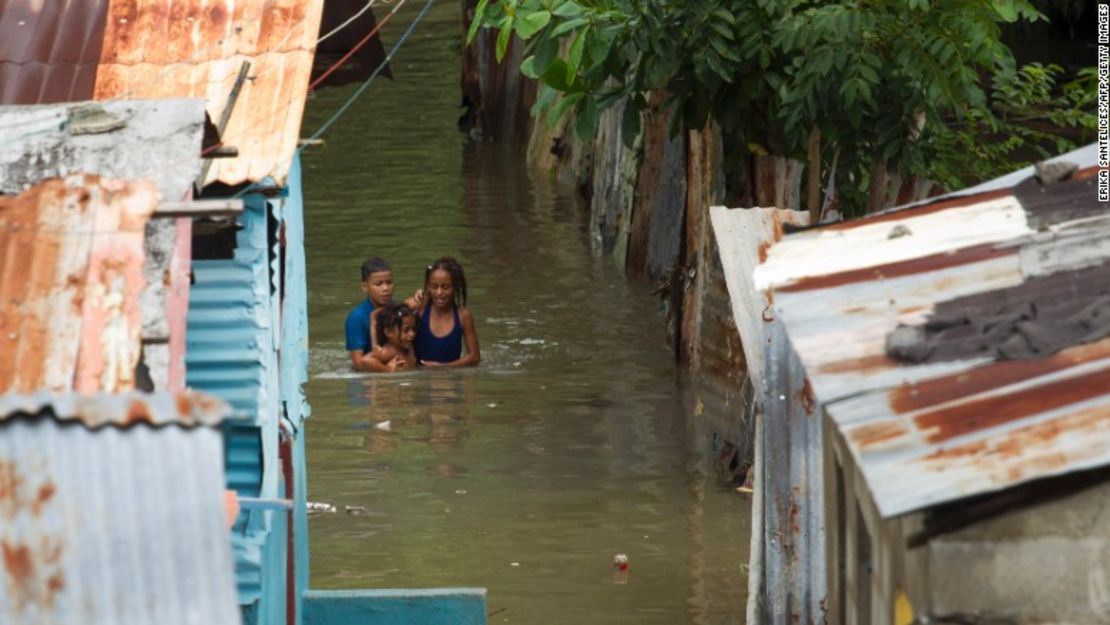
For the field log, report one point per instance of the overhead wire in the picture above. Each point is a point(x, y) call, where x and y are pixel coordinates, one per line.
point(358, 46)
point(354, 96)
point(347, 23)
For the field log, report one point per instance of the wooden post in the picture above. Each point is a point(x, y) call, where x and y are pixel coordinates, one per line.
point(813, 167)
point(225, 115)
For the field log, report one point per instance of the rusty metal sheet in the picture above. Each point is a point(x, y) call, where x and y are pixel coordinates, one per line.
point(787, 580)
point(71, 255)
point(187, 408)
point(157, 140)
point(113, 525)
point(934, 430)
point(166, 49)
point(744, 237)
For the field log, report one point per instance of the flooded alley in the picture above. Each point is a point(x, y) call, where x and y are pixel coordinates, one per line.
point(569, 444)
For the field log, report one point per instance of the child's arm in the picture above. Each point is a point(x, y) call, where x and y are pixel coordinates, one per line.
point(366, 362)
point(473, 354)
point(373, 334)
point(390, 359)
point(416, 302)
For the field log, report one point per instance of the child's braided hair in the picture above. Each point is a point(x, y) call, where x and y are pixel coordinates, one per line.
point(391, 317)
point(458, 278)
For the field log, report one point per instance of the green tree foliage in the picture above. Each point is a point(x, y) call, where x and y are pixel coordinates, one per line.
point(894, 82)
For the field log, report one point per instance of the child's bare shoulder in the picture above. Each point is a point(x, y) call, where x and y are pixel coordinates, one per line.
point(385, 354)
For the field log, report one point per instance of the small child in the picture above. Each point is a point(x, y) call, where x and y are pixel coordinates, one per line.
point(396, 328)
point(445, 322)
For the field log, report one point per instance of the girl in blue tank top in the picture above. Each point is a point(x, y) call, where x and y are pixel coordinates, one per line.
point(446, 324)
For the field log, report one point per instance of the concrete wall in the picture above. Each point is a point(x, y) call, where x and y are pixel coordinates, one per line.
point(1045, 564)
point(1048, 563)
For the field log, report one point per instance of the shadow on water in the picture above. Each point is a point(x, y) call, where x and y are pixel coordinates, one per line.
point(568, 445)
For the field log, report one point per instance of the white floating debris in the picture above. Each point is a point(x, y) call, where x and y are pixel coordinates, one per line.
point(355, 510)
point(532, 342)
point(460, 491)
point(514, 564)
point(316, 507)
point(491, 405)
point(384, 425)
point(620, 562)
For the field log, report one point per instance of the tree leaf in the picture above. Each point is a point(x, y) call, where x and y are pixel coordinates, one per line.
point(598, 42)
point(560, 108)
point(569, 9)
point(543, 100)
point(527, 68)
point(556, 76)
point(574, 56)
point(715, 64)
point(586, 117)
point(476, 23)
point(568, 26)
point(528, 24)
point(547, 48)
point(723, 30)
point(503, 38)
point(725, 15)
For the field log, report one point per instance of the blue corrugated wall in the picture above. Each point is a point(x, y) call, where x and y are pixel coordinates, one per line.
point(294, 366)
point(231, 339)
point(247, 342)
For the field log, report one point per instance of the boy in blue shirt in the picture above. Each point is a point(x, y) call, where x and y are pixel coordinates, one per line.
point(377, 284)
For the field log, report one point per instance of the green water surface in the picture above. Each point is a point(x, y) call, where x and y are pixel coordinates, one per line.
point(569, 444)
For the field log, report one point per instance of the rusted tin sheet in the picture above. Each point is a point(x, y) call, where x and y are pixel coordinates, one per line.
point(969, 421)
point(70, 276)
point(787, 574)
point(157, 140)
point(113, 525)
point(163, 49)
point(186, 408)
point(744, 237)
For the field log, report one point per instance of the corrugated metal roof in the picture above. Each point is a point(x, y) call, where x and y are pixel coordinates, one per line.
point(112, 526)
point(231, 353)
point(187, 408)
point(71, 257)
point(941, 429)
point(128, 49)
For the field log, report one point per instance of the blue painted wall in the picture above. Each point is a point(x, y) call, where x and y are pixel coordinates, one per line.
point(450, 606)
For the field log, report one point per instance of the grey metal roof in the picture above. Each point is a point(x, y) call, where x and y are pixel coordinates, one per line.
point(991, 408)
point(113, 525)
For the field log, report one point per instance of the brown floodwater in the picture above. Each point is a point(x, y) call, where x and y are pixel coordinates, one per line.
point(572, 442)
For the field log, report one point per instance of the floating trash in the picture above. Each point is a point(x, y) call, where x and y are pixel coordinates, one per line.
point(317, 507)
point(355, 510)
point(515, 564)
point(460, 491)
point(386, 426)
point(620, 562)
